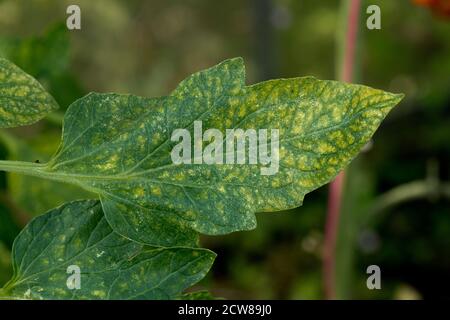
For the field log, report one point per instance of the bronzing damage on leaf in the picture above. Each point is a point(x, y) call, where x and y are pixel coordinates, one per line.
point(119, 146)
point(72, 253)
point(23, 100)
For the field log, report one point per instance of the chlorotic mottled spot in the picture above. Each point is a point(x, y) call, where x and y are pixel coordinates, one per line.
point(111, 266)
point(23, 100)
point(119, 146)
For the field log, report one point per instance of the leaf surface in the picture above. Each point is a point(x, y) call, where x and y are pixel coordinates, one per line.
point(111, 266)
point(197, 295)
point(119, 146)
point(23, 100)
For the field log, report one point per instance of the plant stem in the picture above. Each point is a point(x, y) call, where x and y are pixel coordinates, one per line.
point(27, 168)
point(350, 41)
point(331, 227)
point(41, 170)
point(30, 169)
point(346, 54)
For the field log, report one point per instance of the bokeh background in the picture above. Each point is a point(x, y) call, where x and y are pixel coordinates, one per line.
point(396, 205)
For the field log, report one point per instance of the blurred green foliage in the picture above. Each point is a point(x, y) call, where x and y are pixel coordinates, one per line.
point(46, 58)
point(146, 47)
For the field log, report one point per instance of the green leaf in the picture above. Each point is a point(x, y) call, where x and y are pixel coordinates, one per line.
point(23, 100)
point(197, 295)
point(41, 56)
point(111, 266)
point(119, 146)
point(47, 58)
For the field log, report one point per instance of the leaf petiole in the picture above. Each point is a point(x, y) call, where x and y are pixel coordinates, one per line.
point(28, 168)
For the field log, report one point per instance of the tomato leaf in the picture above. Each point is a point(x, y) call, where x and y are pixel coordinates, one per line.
point(23, 100)
point(197, 295)
point(119, 146)
point(111, 266)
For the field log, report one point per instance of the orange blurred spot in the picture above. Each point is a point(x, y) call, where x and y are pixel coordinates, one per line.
point(439, 7)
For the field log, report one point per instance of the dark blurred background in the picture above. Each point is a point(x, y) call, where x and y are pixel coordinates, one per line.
point(396, 205)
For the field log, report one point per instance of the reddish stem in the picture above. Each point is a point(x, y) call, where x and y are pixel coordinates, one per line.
point(331, 226)
point(336, 186)
point(350, 41)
